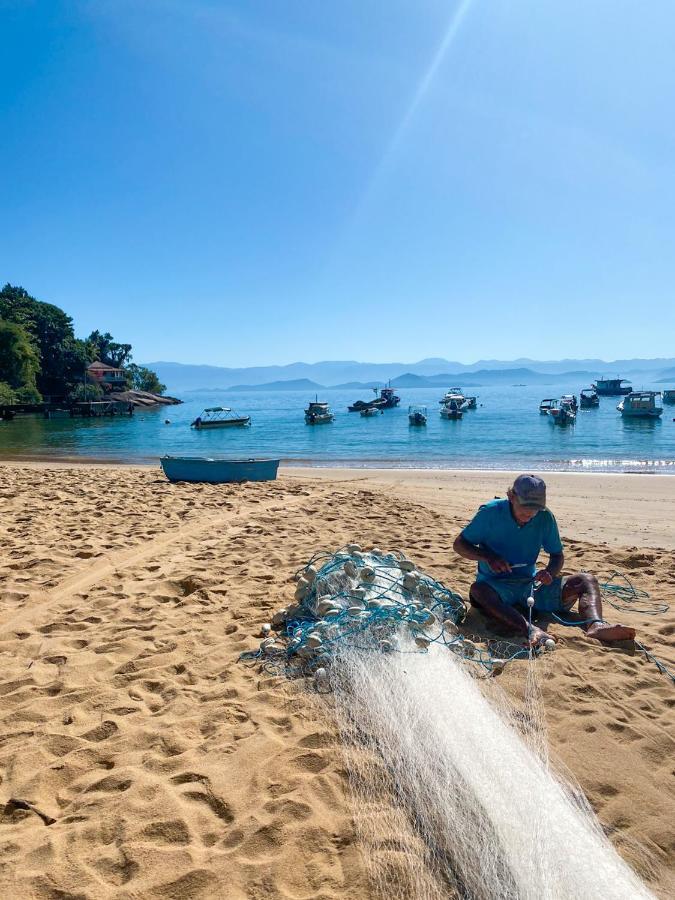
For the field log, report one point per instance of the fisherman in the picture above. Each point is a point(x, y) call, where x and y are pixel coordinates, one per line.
point(505, 537)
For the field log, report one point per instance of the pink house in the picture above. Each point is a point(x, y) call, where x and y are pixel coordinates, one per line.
point(106, 376)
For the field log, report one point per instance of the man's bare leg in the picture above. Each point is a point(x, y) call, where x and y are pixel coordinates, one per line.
point(492, 606)
point(586, 590)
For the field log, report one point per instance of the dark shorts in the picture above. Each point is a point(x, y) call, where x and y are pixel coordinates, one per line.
point(515, 591)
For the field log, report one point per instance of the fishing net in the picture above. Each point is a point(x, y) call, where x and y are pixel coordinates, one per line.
point(376, 601)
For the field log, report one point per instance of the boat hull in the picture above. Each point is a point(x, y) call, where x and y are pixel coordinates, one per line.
point(226, 423)
point(218, 471)
point(640, 413)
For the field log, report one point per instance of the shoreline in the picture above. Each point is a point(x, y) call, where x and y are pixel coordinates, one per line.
point(651, 469)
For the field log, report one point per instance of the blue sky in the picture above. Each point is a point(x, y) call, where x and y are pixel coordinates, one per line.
point(242, 183)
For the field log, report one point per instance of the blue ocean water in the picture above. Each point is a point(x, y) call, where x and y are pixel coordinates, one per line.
point(505, 432)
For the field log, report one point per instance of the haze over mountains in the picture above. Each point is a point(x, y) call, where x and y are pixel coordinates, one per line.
point(426, 372)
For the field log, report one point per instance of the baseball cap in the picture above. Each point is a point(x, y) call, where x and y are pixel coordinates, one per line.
point(530, 491)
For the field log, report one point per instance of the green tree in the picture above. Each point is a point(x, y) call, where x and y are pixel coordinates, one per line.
point(19, 362)
point(7, 395)
point(108, 351)
point(85, 392)
point(141, 379)
point(62, 358)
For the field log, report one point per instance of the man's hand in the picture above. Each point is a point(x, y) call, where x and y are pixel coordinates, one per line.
point(543, 576)
point(497, 564)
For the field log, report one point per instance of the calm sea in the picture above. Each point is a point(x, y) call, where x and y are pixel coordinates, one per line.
point(505, 432)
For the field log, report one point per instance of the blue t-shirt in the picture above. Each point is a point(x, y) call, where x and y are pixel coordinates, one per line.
point(494, 527)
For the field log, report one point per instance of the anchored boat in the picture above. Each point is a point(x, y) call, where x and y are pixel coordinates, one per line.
point(588, 398)
point(612, 387)
point(318, 413)
point(218, 471)
point(417, 415)
point(547, 405)
point(220, 417)
point(668, 396)
point(452, 409)
point(563, 413)
point(640, 405)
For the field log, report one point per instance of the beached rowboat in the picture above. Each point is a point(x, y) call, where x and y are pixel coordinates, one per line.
point(218, 471)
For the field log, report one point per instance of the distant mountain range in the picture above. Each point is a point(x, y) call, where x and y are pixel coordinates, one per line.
point(428, 372)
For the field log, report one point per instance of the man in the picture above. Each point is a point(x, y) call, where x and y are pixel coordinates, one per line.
point(506, 537)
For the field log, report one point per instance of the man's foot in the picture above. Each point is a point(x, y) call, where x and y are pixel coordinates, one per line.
point(602, 631)
point(538, 637)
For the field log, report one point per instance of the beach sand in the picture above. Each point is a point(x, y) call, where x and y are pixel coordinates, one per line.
point(140, 759)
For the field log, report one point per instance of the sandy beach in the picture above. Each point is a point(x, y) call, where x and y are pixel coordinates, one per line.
point(139, 758)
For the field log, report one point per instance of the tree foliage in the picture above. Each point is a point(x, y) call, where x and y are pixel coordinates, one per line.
point(108, 351)
point(62, 357)
point(141, 379)
point(19, 362)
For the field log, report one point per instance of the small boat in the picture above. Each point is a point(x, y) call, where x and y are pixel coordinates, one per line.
point(454, 393)
point(451, 410)
point(612, 387)
point(640, 405)
point(218, 471)
point(417, 415)
point(563, 413)
point(470, 403)
point(547, 405)
point(668, 397)
point(570, 400)
point(588, 398)
point(359, 405)
point(318, 413)
point(220, 417)
point(369, 411)
point(387, 398)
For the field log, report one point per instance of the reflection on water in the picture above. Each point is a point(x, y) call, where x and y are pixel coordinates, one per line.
point(506, 431)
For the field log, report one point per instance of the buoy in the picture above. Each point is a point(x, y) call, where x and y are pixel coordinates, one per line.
point(314, 640)
point(422, 642)
point(325, 606)
point(353, 548)
point(305, 653)
point(530, 601)
point(410, 582)
point(367, 574)
point(321, 675)
point(386, 646)
point(358, 593)
point(266, 628)
point(302, 589)
point(549, 644)
point(279, 617)
point(350, 569)
point(355, 610)
point(357, 556)
point(310, 574)
point(332, 613)
point(267, 644)
point(376, 551)
point(449, 627)
point(406, 565)
point(373, 604)
point(469, 647)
